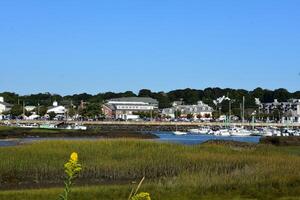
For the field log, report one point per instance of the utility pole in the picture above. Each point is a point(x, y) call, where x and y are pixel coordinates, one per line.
point(229, 119)
point(38, 108)
point(243, 113)
point(241, 110)
point(253, 121)
point(23, 107)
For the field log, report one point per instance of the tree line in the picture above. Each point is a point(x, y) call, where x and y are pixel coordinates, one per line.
point(189, 96)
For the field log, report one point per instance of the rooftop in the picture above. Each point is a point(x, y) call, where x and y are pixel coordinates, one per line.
point(135, 99)
point(6, 104)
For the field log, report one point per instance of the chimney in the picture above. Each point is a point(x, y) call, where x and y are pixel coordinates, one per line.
point(1, 99)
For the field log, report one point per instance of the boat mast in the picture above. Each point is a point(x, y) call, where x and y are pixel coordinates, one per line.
point(243, 112)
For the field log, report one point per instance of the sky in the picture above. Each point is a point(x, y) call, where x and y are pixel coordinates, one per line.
point(66, 47)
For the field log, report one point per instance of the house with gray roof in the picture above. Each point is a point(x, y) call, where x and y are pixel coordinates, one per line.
point(4, 107)
point(289, 110)
point(126, 107)
point(199, 110)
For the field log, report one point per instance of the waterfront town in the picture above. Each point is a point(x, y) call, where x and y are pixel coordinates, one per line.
point(146, 108)
point(149, 100)
point(226, 115)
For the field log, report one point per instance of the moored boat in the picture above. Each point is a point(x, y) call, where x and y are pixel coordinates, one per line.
point(201, 130)
point(179, 133)
point(240, 132)
point(222, 132)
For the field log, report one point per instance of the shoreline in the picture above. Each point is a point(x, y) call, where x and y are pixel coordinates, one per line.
point(150, 123)
point(21, 133)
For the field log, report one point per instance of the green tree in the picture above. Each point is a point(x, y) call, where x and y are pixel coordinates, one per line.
point(52, 115)
point(71, 112)
point(92, 110)
point(207, 115)
point(42, 110)
point(10, 97)
point(163, 99)
point(191, 96)
point(27, 113)
point(190, 116)
point(177, 114)
point(16, 110)
point(145, 93)
point(281, 94)
point(215, 114)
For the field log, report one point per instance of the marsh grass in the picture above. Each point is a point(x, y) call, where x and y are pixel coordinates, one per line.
point(173, 169)
point(17, 132)
point(118, 192)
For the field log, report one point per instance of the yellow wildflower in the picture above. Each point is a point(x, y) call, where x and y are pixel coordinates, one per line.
point(72, 169)
point(74, 157)
point(141, 196)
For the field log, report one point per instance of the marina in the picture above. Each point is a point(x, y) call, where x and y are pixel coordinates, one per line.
point(186, 139)
point(49, 125)
point(192, 136)
point(242, 132)
point(192, 139)
point(149, 100)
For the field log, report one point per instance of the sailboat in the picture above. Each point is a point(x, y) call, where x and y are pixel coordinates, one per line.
point(179, 132)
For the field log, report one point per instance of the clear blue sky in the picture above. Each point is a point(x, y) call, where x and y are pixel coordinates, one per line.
point(66, 47)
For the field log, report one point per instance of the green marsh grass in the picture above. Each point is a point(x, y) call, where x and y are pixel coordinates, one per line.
point(171, 170)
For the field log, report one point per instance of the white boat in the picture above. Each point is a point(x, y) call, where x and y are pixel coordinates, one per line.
point(267, 132)
point(288, 132)
point(48, 126)
point(297, 133)
point(202, 130)
point(257, 132)
point(176, 132)
point(271, 132)
point(194, 131)
point(79, 127)
point(276, 132)
point(211, 132)
point(222, 132)
point(76, 127)
point(239, 132)
point(179, 133)
point(29, 125)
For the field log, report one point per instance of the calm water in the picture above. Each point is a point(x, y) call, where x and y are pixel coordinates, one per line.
point(198, 139)
point(14, 142)
point(7, 143)
point(189, 139)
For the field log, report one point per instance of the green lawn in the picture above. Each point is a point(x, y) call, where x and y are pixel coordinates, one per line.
point(172, 171)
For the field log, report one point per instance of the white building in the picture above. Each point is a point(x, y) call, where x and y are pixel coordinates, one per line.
point(289, 111)
point(127, 107)
point(201, 109)
point(33, 117)
point(4, 107)
point(59, 110)
point(30, 108)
